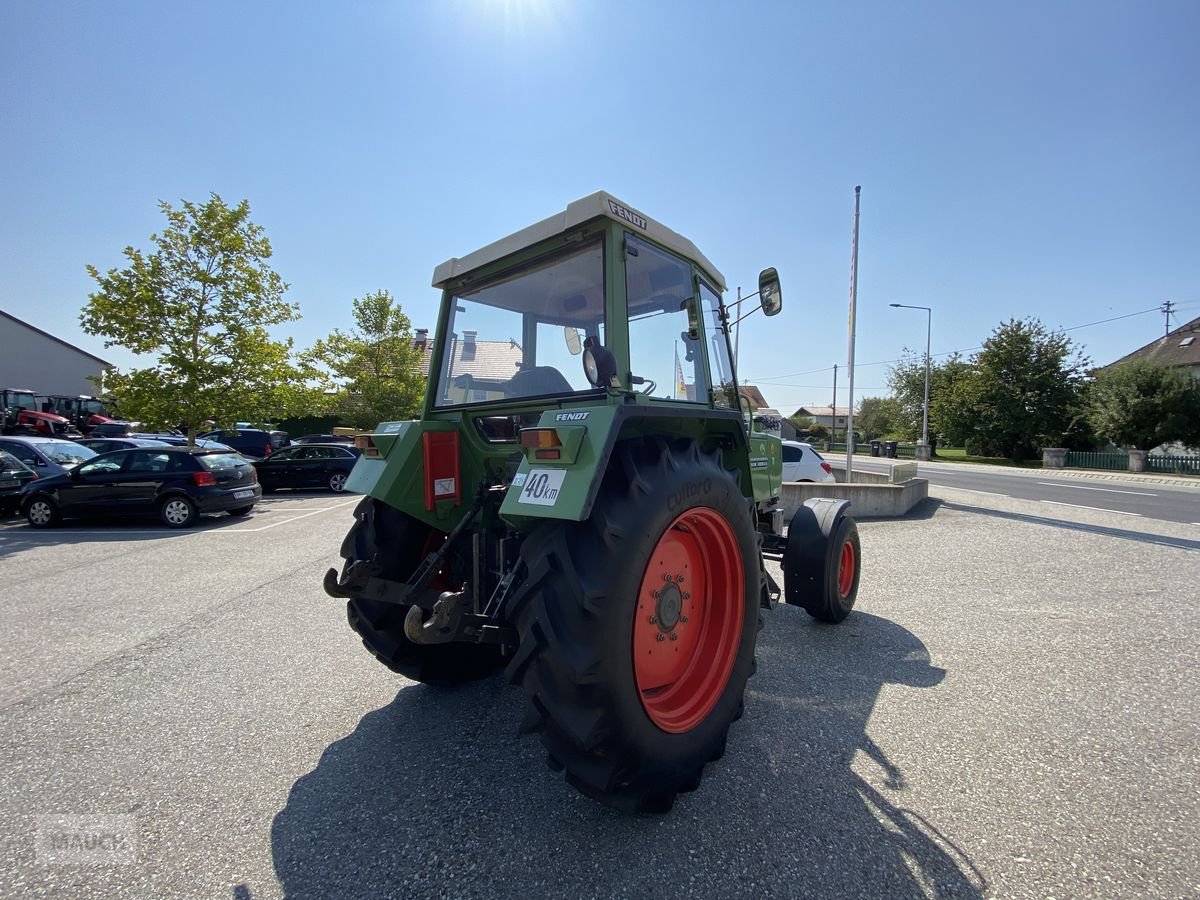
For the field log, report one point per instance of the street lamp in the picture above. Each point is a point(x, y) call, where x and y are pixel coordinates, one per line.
point(928, 332)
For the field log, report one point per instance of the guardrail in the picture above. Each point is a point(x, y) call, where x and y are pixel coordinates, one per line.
point(1173, 465)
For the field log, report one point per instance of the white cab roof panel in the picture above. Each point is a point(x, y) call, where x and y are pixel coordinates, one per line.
point(590, 207)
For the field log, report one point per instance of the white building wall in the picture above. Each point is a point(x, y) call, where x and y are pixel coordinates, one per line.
point(33, 360)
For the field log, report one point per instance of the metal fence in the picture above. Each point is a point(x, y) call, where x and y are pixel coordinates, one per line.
point(863, 448)
point(1117, 460)
point(1174, 465)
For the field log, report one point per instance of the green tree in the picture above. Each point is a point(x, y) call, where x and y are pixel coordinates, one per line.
point(1142, 405)
point(907, 382)
point(1021, 394)
point(879, 417)
point(375, 363)
point(201, 302)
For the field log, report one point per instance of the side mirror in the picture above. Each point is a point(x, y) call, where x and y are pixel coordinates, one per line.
point(769, 293)
point(571, 336)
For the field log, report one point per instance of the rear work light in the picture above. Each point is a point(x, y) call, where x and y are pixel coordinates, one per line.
point(204, 479)
point(364, 443)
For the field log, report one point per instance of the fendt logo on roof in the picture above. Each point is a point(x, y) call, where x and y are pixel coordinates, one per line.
point(625, 215)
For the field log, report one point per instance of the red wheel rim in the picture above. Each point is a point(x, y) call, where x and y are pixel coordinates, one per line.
point(688, 622)
point(846, 570)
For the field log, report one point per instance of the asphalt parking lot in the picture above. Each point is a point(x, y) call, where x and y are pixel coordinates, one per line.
point(1011, 711)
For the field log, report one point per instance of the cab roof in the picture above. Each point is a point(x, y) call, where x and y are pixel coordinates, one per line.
point(583, 210)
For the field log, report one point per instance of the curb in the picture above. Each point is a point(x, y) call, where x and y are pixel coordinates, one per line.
point(1186, 481)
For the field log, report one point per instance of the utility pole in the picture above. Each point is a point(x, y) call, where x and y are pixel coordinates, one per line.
point(1168, 308)
point(850, 361)
point(833, 411)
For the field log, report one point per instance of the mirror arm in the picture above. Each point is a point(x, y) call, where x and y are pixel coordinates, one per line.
point(752, 312)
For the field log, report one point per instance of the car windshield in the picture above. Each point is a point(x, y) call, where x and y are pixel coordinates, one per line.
point(214, 462)
point(65, 453)
point(508, 338)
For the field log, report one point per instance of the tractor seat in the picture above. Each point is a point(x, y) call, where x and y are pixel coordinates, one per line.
point(538, 380)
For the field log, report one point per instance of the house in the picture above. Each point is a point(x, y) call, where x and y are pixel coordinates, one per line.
point(833, 418)
point(1179, 349)
point(37, 360)
point(495, 361)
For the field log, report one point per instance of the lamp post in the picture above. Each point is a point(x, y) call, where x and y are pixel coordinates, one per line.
point(923, 451)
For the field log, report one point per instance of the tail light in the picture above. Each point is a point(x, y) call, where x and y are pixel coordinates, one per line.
point(544, 442)
point(266, 451)
point(364, 443)
point(253, 475)
point(204, 479)
point(828, 468)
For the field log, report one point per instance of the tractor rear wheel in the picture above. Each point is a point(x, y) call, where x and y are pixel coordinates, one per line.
point(637, 627)
point(402, 542)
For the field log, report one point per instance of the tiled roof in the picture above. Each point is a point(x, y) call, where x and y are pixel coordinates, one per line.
point(1180, 347)
point(483, 359)
point(756, 396)
point(814, 411)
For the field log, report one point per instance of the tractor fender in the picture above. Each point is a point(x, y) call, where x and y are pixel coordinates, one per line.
point(567, 489)
point(809, 550)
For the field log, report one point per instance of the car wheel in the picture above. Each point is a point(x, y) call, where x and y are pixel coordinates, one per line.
point(337, 482)
point(177, 512)
point(42, 512)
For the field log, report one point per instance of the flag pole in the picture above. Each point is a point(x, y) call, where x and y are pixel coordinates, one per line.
point(853, 322)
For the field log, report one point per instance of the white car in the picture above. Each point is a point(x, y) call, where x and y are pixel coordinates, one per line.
point(802, 463)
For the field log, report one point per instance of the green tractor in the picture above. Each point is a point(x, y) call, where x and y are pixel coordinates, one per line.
point(587, 503)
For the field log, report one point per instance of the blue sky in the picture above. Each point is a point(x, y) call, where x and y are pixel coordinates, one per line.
point(1017, 160)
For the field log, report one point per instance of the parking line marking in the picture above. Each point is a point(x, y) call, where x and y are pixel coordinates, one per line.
point(1080, 487)
point(1116, 512)
point(283, 522)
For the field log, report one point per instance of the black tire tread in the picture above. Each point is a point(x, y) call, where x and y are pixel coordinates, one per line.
point(556, 612)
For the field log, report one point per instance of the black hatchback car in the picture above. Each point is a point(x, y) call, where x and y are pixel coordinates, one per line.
point(307, 466)
point(14, 475)
point(176, 484)
point(251, 442)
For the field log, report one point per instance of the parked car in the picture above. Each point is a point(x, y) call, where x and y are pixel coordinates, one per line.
point(802, 463)
point(252, 442)
point(180, 440)
point(14, 475)
point(45, 455)
point(307, 466)
point(114, 429)
point(174, 483)
point(324, 439)
point(109, 444)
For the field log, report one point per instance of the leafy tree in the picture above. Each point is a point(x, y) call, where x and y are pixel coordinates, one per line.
point(879, 416)
point(1142, 405)
point(907, 381)
point(1021, 393)
point(375, 362)
point(201, 302)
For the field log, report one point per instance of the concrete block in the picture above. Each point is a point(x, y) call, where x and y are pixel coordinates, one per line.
point(868, 498)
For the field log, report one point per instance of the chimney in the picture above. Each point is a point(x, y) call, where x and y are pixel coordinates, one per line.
point(468, 347)
point(421, 341)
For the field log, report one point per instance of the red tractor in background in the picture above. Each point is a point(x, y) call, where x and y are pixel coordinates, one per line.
point(82, 411)
point(22, 415)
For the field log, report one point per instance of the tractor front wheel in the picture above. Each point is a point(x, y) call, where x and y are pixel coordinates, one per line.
point(637, 627)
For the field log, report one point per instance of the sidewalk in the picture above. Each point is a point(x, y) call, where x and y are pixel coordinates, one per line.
point(1186, 481)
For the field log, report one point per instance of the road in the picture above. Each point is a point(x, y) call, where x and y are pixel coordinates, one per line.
point(1010, 711)
point(1167, 502)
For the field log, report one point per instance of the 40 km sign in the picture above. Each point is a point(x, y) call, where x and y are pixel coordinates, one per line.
point(542, 487)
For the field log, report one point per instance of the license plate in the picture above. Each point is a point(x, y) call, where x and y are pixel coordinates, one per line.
point(242, 495)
